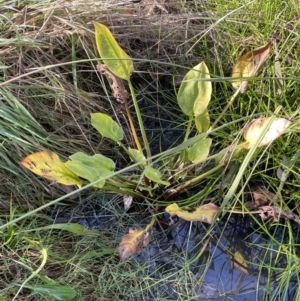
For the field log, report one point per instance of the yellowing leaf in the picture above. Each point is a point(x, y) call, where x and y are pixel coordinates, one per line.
point(133, 243)
point(113, 56)
point(205, 213)
point(48, 165)
point(249, 64)
point(256, 127)
point(240, 263)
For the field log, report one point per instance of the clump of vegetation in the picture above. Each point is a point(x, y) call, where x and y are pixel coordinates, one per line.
point(202, 178)
point(151, 183)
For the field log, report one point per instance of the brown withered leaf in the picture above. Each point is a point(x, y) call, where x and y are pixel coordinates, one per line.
point(117, 86)
point(262, 196)
point(267, 212)
point(276, 213)
point(133, 243)
point(205, 213)
point(127, 200)
point(248, 65)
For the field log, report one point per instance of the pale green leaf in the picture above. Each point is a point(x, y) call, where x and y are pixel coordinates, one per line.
point(113, 56)
point(194, 93)
point(137, 156)
point(107, 127)
point(202, 122)
point(91, 168)
point(200, 150)
point(155, 176)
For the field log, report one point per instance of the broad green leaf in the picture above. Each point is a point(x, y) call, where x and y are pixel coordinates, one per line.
point(113, 56)
point(57, 292)
point(91, 168)
point(248, 65)
point(202, 122)
point(205, 213)
point(48, 165)
point(155, 176)
point(137, 156)
point(199, 151)
point(107, 127)
point(194, 94)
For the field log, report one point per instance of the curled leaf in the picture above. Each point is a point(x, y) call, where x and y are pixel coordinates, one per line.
point(256, 127)
point(133, 243)
point(205, 213)
point(48, 165)
point(248, 65)
point(117, 85)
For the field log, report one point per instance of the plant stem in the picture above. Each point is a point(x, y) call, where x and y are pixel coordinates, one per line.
point(150, 224)
point(133, 131)
point(139, 117)
point(193, 181)
point(122, 191)
point(188, 129)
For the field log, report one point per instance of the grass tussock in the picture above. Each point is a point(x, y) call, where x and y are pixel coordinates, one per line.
point(49, 86)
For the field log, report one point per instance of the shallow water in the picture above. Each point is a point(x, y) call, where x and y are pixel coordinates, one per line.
point(174, 263)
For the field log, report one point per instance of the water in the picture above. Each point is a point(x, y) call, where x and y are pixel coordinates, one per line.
point(238, 260)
